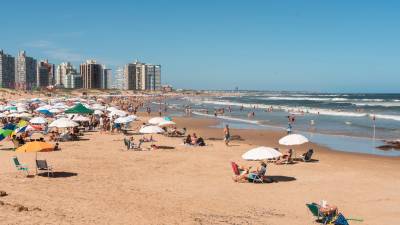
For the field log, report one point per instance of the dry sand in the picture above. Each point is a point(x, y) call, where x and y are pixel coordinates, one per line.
point(99, 182)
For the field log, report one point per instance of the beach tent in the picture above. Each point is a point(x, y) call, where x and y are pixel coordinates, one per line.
point(151, 130)
point(38, 120)
point(293, 139)
point(261, 153)
point(79, 109)
point(63, 123)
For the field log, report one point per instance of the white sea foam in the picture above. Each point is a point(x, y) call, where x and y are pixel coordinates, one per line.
point(387, 117)
point(228, 118)
point(305, 110)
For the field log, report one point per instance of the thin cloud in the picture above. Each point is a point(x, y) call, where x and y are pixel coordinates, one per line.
point(52, 51)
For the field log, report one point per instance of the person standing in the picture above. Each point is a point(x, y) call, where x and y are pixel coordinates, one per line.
point(227, 135)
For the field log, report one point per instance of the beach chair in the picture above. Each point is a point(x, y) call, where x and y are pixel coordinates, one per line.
point(307, 156)
point(42, 165)
point(235, 168)
point(314, 209)
point(136, 147)
point(19, 166)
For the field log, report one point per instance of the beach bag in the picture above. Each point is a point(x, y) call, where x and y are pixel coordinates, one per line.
point(341, 220)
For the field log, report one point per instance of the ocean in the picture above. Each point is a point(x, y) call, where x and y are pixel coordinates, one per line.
point(353, 118)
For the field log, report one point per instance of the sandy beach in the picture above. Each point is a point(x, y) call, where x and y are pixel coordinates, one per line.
point(99, 182)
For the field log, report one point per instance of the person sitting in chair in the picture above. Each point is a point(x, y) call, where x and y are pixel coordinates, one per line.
point(286, 157)
point(248, 176)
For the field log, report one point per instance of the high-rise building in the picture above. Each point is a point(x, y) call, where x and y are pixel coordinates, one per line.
point(91, 74)
point(141, 76)
point(25, 71)
point(72, 80)
point(118, 80)
point(45, 74)
point(108, 79)
point(7, 70)
point(62, 70)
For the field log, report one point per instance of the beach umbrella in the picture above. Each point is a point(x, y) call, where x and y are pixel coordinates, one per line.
point(54, 110)
point(118, 113)
point(44, 107)
point(166, 123)
point(110, 109)
point(24, 115)
point(261, 153)
point(156, 120)
point(80, 118)
point(63, 123)
point(45, 112)
point(36, 146)
point(7, 130)
point(38, 120)
point(167, 118)
point(98, 112)
point(126, 119)
point(11, 108)
point(79, 109)
point(151, 130)
point(293, 139)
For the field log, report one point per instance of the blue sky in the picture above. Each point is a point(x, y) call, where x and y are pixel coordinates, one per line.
point(328, 46)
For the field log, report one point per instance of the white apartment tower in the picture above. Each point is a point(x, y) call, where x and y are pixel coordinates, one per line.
point(62, 70)
point(25, 71)
point(141, 76)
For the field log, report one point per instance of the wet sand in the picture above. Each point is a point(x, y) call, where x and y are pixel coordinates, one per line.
point(99, 182)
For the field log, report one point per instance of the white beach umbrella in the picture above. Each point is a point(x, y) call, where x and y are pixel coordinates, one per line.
point(24, 115)
point(45, 107)
point(54, 110)
point(110, 109)
point(156, 120)
point(38, 120)
point(151, 130)
point(63, 123)
point(293, 139)
point(261, 153)
point(98, 112)
point(166, 123)
point(21, 109)
point(126, 119)
point(97, 106)
point(80, 118)
point(117, 113)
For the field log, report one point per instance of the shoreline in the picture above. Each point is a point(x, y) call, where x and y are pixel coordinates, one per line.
point(250, 135)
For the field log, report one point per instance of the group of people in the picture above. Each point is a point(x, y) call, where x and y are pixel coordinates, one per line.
point(193, 140)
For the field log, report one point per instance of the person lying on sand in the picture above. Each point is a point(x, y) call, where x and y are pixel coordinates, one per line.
point(145, 139)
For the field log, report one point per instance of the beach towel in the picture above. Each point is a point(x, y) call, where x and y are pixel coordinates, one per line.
point(341, 220)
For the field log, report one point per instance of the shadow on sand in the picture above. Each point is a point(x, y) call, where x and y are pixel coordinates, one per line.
point(58, 174)
point(281, 178)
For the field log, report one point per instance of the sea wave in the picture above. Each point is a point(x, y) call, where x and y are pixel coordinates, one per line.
point(228, 118)
point(387, 117)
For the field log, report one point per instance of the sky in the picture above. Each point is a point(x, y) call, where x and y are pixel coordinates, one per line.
point(323, 46)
